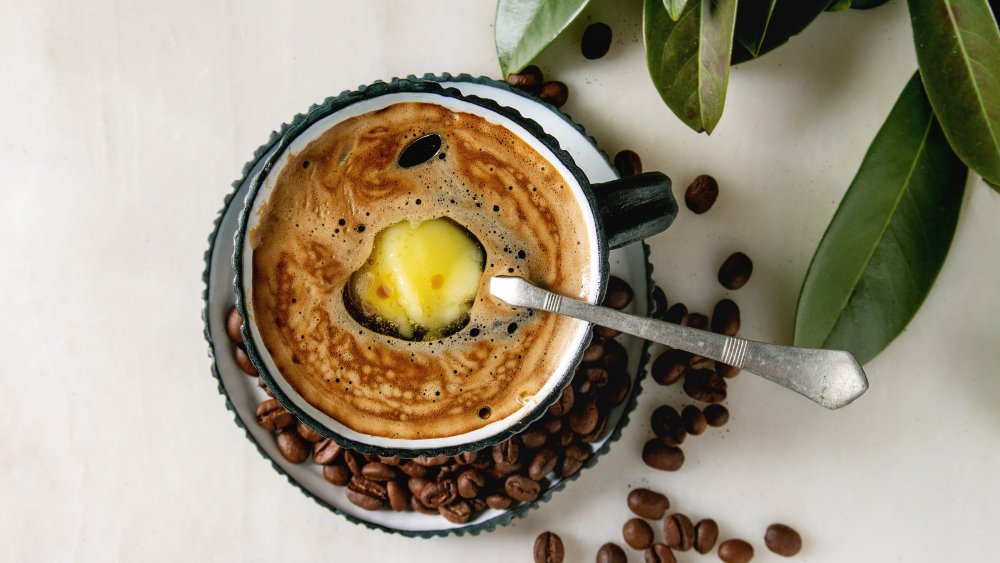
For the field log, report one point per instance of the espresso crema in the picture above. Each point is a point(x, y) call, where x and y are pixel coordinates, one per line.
point(317, 228)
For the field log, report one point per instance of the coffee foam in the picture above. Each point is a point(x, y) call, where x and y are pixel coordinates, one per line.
point(318, 226)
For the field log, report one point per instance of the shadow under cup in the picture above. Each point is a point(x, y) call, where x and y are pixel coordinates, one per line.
point(615, 214)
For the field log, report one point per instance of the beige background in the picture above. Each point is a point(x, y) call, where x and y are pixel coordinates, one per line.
point(123, 124)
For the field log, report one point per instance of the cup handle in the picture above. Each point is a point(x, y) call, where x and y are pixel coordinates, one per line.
point(635, 207)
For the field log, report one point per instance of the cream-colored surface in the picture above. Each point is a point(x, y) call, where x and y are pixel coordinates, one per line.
point(123, 125)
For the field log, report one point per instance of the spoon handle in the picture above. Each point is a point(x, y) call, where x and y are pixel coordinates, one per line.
point(832, 378)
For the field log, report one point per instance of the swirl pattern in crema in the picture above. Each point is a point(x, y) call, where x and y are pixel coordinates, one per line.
point(329, 202)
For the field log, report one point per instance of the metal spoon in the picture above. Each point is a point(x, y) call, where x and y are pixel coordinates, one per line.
point(832, 378)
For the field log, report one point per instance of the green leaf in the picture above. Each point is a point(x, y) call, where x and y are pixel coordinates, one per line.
point(958, 48)
point(689, 59)
point(524, 28)
point(762, 25)
point(888, 239)
point(674, 8)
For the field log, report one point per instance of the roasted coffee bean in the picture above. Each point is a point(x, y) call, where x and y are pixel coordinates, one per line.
point(611, 553)
point(735, 271)
point(362, 499)
point(378, 471)
point(637, 533)
point(700, 362)
point(596, 40)
point(243, 360)
point(468, 458)
point(782, 540)
point(272, 416)
point(393, 460)
point(339, 475)
point(542, 464)
point(418, 506)
point(414, 470)
point(598, 431)
point(706, 533)
point(326, 452)
point(308, 432)
point(584, 417)
point(399, 497)
point(618, 294)
point(521, 488)
point(678, 532)
point(554, 92)
point(667, 425)
point(499, 501)
point(606, 332)
point(661, 456)
point(573, 459)
point(416, 484)
point(677, 314)
point(529, 79)
point(457, 512)
point(507, 451)
point(735, 551)
point(726, 318)
point(565, 402)
point(698, 321)
point(616, 391)
point(552, 424)
point(659, 303)
point(502, 470)
point(598, 377)
point(234, 321)
point(262, 385)
point(726, 370)
point(369, 457)
point(648, 504)
point(548, 548)
point(478, 504)
point(438, 493)
point(582, 386)
point(594, 351)
point(367, 486)
point(431, 461)
point(470, 482)
point(450, 471)
point(716, 415)
point(292, 446)
point(659, 553)
point(533, 439)
point(669, 366)
point(701, 194)
point(628, 163)
point(353, 461)
point(705, 385)
point(615, 356)
point(694, 420)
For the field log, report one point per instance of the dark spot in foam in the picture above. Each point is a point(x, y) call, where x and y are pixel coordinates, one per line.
point(420, 151)
point(474, 332)
point(305, 164)
point(361, 228)
point(521, 254)
point(511, 328)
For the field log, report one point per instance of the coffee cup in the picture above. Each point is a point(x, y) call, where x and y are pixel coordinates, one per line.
point(405, 153)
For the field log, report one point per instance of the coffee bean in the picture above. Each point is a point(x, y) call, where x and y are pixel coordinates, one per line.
point(468, 458)
point(478, 505)
point(352, 461)
point(716, 415)
point(659, 553)
point(615, 356)
point(292, 446)
point(658, 455)
point(499, 501)
point(233, 323)
point(418, 506)
point(573, 459)
point(706, 533)
point(678, 532)
point(611, 553)
point(308, 432)
point(470, 482)
point(272, 416)
point(726, 318)
point(565, 402)
point(542, 464)
point(669, 366)
point(435, 461)
point(326, 452)
point(618, 294)
point(243, 360)
point(502, 470)
point(659, 303)
point(701, 194)
point(667, 425)
point(727, 371)
point(648, 504)
point(698, 321)
point(700, 362)
point(361, 499)
point(705, 385)
point(552, 424)
point(596, 40)
point(677, 314)
point(584, 417)
point(457, 512)
point(637, 533)
point(529, 79)
point(339, 475)
point(616, 391)
point(554, 92)
point(628, 163)
point(694, 420)
point(735, 551)
point(416, 485)
point(519, 487)
point(414, 470)
point(606, 332)
point(735, 271)
point(533, 439)
point(262, 385)
point(598, 377)
point(507, 451)
point(399, 497)
point(438, 493)
point(783, 540)
point(378, 471)
point(594, 351)
point(548, 548)
point(598, 431)
point(368, 488)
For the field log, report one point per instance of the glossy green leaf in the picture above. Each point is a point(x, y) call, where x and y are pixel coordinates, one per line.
point(887, 241)
point(689, 59)
point(958, 48)
point(762, 25)
point(524, 28)
point(675, 8)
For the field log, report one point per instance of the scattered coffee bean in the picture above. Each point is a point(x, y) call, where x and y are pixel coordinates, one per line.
point(648, 504)
point(533, 439)
point(606, 332)
point(694, 420)
point(726, 318)
point(705, 385)
point(234, 321)
point(326, 452)
point(628, 163)
point(529, 79)
point(677, 314)
point(735, 271)
point(619, 294)
point(584, 417)
point(339, 475)
point(272, 416)
point(573, 459)
point(667, 425)
point(594, 351)
point(658, 455)
point(418, 506)
point(669, 366)
point(735, 551)
point(783, 540)
point(678, 532)
point(362, 499)
point(378, 471)
point(414, 470)
point(352, 461)
point(457, 512)
point(470, 482)
point(700, 362)
point(499, 501)
point(308, 432)
point(596, 40)
point(637, 533)
point(564, 404)
point(243, 360)
point(706, 533)
point(698, 321)
point(548, 548)
point(507, 451)
point(611, 553)
point(542, 464)
point(554, 92)
point(659, 553)
point(716, 415)
point(292, 446)
point(431, 461)
point(438, 493)
point(519, 487)
point(396, 460)
point(701, 194)
point(727, 371)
